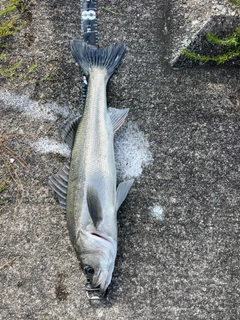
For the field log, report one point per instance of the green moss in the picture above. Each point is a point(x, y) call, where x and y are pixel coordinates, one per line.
point(8, 10)
point(46, 78)
point(12, 20)
point(3, 203)
point(232, 44)
point(4, 46)
point(236, 2)
point(13, 5)
point(12, 23)
point(2, 56)
point(8, 28)
point(32, 68)
point(10, 72)
point(3, 185)
point(111, 11)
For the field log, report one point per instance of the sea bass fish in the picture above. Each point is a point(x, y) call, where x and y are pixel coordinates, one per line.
point(86, 186)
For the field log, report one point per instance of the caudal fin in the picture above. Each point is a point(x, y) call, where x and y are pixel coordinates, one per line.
point(88, 56)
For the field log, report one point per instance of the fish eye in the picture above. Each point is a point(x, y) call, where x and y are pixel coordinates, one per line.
point(88, 270)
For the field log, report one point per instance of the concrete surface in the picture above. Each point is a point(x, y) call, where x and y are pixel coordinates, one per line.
point(182, 266)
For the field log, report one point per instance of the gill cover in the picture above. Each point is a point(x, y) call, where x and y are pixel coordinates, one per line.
point(98, 252)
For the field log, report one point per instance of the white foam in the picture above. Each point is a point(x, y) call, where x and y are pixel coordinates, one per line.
point(157, 212)
point(45, 145)
point(48, 111)
point(131, 151)
point(131, 147)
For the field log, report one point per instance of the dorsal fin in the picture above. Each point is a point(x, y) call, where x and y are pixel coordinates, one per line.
point(70, 132)
point(94, 206)
point(59, 183)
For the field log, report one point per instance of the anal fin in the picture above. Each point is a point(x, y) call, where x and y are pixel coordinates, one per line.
point(122, 191)
point(117, 117)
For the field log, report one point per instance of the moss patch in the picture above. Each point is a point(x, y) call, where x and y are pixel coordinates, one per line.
point(13, 18)
point(231, 44)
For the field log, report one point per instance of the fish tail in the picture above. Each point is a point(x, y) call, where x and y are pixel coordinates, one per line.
point(88, 56)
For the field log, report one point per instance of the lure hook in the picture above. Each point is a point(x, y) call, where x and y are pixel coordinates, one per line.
point(89, 289)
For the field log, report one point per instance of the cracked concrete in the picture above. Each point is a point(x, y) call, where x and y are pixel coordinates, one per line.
point(183, 266)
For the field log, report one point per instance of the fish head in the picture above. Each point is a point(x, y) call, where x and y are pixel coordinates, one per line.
point(97, 254)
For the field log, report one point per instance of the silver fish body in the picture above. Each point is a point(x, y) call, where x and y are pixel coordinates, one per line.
point(92, 198)
point(92, 169)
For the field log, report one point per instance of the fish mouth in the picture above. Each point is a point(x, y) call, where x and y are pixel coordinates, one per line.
point(97, 234)
point(94, 293)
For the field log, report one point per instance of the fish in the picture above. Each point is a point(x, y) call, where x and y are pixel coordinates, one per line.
point(87, 184)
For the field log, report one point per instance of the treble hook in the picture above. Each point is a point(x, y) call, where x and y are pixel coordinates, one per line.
point(89, 289)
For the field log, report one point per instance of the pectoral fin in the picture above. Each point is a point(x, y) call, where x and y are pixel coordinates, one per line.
point(94, 206)
point(117, 117)
point(122, 191)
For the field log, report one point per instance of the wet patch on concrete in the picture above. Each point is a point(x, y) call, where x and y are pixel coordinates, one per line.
point(61, 289)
